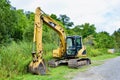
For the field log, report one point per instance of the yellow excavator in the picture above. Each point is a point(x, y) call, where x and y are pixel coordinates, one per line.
point(71, 50)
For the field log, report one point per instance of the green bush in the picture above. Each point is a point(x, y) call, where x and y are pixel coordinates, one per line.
point(92, 52)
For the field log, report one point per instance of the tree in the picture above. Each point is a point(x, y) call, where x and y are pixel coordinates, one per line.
point(104, 40)
point(85, 30)
point(7, 21)
point(13, 22)
point(54, 17)
point(22, 23)
point(66, 21)
point(80, 28)
point(116, 35)
point(29, 29)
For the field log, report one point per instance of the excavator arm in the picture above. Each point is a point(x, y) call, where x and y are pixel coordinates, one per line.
point(37, 66)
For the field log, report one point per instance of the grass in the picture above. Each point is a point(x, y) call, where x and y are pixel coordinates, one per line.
point(59, 73)
point(104, 57)
point(55, 74)
point(15, 57)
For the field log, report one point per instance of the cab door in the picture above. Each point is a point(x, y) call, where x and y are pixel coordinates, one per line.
point(71, 48)
point(78, 43)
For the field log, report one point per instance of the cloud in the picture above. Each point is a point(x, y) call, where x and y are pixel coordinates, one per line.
point(103, 13)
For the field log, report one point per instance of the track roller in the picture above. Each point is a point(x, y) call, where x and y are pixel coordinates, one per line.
point(77, 63)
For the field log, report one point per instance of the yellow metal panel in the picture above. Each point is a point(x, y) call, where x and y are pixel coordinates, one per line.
point(80, 52)
point(38, 32)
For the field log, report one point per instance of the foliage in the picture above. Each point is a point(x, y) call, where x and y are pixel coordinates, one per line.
point(89, 40)
point(21, 24)
point(14, 59)
point(92, 52)
point(66, 21)
point(7, 21)
point(87, 30)
point(29, 29)
point(21, 27)
point(14, 23)
point(116, 35)
point(104, 40)
point(54, 17)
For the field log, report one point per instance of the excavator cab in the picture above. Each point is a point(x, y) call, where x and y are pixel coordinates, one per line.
point(74, 44)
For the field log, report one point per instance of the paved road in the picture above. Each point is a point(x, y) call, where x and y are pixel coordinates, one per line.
point(110, 70)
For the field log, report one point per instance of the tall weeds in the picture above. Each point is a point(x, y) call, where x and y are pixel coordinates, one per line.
point(14, 59)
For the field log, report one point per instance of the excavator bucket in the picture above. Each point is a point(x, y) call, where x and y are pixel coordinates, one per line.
point(38, 67)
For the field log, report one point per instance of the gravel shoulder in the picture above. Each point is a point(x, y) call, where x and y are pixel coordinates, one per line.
point(109, 70)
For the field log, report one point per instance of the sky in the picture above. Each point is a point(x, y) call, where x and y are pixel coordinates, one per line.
point(104, 14)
